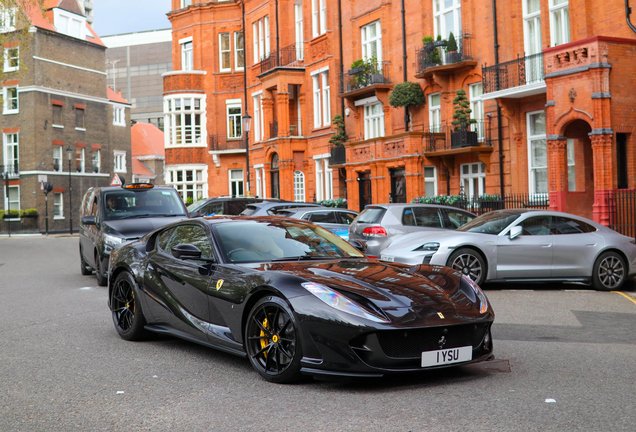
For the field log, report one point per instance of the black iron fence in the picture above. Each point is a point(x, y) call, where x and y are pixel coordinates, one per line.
point(448, 136)
point(359, 78)
point(225, 143)
point(521, 71)
point(19, 225)
point(290, 56)
point(481, 205)
point(622, 211)
point(436, 53)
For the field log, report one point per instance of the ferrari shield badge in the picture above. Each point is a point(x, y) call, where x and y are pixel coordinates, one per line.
point(219, 284)
point(441, 315)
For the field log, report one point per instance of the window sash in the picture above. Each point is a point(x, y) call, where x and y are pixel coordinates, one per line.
point(326, 98)
point(225, 50)
point(188, 182)
point(11, 100)
point(373, 120)
point(239, 51)
point(236, 182)
point(57, 157)
point(299, 186)
point(371, 35)
point(58, 205)
point(447, 18)
point(11, 59)
point(317, 101)
point(97, 160)
point(298, 17)
point(234, 121)
point(186, 56)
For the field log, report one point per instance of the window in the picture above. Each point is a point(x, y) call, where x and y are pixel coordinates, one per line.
point(562, 225)
point(261, 186)
point(119, 116)
point(11, 59)
point(298, 17)
point(185, 3)
point(233, 107)
point(434, 113)
point(258, 124)
point(373, 120)
point(322, 98)
point(225, 51)
point(187, 61)
point(538, 225)
point(571, 166)
point(184, 120)
point(97, 160)
point(319, 17)
point(57, 158)
point(473, 179)
point(120, 161)
point(430, 181)
point(236, 182)
point(532, 40)
point(11, 151)
point(477, 107)
point(10, 100)
point(299, 186)
point(260, 30)
point(559, 22)
point(447, 18)
point(324, 179)
point(79, 119)
point(79, 159)
point(422, 216)
point(372, 42)
point(189, 181)
point(538, 156)
point(12, 201)
point(69, 24)
point(7, 19)
point(57, 116)
point(239, 51)
point(58, 206)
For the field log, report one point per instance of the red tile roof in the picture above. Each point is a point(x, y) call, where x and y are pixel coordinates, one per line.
point(139, 169)
point(146, 140)
point(115, 97)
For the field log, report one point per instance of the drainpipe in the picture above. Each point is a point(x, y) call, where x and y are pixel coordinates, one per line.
point(277, 38)
point(499, 128)
point(342, 104)
point(628, 12)
point(247, 147)
point(404, 58)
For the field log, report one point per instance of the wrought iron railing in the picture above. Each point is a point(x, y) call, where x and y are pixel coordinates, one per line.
point(622, 211)
point(338, 155)
point(290, 56)
point(448, 136)
point(357, 79)
point(225, 143)
point(515, 73)
point(436, 53)
point(480, 204)
point(9, 171)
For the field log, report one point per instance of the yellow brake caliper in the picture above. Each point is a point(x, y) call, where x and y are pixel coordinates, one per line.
point(264, 337)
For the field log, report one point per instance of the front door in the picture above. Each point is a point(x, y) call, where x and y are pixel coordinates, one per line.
point(529, 256)
point(398, 186)
point(365, 189)
point(274, 177)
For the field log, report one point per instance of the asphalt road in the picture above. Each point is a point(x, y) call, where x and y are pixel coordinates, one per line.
point(566, 361)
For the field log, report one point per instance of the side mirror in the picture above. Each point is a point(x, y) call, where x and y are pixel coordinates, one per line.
point(186, 251)
point(515, 232)
point(88, 220)
point(195, 214)
point(359, 245)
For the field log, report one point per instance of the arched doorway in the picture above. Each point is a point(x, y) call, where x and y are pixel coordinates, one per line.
point(580, 169)
point(275, 177)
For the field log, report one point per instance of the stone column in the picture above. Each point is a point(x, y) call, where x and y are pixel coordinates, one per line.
point(268, 112)
point(557, 172)
point(603, 175)
point(282, 107)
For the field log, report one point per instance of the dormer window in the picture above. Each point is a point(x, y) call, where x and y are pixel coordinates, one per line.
point(70, 24)
point(7, 19)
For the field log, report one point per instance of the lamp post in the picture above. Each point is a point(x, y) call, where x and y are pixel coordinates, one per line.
point(247, 125)
point(69, 155)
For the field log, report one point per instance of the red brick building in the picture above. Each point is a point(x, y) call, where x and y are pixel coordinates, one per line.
point(552, 117)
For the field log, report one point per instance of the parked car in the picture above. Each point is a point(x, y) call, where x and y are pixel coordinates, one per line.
point(295, 299)
point(525, 245)
point(336, 220)
point(378, 224)
point(224, 205)
point(112, 215)
point(272, 208)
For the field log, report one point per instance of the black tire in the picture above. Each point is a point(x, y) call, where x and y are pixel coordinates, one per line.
point(102, 280)
point(470, 263)
point(84, 268)
point(609, 273)
point(272, 341)
point(128, 317)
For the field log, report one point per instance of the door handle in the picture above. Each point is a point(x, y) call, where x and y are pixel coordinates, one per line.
point(546, 245)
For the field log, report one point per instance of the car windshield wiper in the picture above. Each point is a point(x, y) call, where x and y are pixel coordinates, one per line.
point(136, 216)
point(302, 258)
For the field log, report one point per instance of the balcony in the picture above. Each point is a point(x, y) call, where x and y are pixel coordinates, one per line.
point(446, 141)
point(517, 78)
point(359, 81)
point(218, 144)
point(338, 156)
point(9, 171)
point(289, 57)
point(294, 129)
point(183, 82)
point(435, 57)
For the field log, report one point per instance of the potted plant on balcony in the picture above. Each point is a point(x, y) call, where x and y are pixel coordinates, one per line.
point(462, 136)
point(356, 67)
point(431, 48)
point(452, 56)
point(407, 94)
point(338, 153)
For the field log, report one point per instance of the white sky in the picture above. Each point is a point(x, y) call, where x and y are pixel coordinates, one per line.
point(127, 16)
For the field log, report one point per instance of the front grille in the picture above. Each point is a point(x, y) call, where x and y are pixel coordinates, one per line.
point(411, 343)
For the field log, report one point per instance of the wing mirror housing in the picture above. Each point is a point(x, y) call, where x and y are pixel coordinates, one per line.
point(189, 252)
point(88, 220)
point(195, 214)
point(515, 232)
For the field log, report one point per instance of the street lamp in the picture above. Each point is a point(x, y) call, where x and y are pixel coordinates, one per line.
point(247, 126)
point(69, 155)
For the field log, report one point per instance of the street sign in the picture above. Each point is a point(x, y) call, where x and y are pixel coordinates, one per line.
point(116, 181)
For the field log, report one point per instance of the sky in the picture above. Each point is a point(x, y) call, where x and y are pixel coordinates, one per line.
point(128, 16)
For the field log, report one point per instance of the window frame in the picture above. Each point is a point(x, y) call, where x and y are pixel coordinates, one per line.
point(434, 113)
point(9, 157)
point(259, 125)
point(559, 36)
point(369, 119)
point(239, 184)
point(299, 186)
point(571, 164)
point(177, 131)
point(299, 30)
point(531, 169)
point(119, 115)
point(367, 42)
point(318, 17)
point(80, 119)
point(430, 179)
point(477, 109)
point(58, 205)
point(238, 126)
point(439, 24)
point(469, 177)
point(97, 156)
point(121, 156)
point(8, 58)
point(227, 51)
point(59, 158)
point(15, 204)
point(198, 188)
point(7, 100)
point(187, 54)
point(7, 19)
point(238, 50)
point(80, 159)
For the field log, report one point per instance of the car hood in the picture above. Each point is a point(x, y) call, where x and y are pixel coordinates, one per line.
point(135, 228)
point(408, 242)
point(412, 295)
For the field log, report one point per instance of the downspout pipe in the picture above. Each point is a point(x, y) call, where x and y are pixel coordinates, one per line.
point(404, 63)
point(247, 146)
point(628, 12)
point(499, 127)
point(342, 103)
point(277, 39)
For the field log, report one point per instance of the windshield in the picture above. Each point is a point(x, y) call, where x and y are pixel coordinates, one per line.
point(255, 241)
point(197, 205)
point(491, 223)
point(128, 204)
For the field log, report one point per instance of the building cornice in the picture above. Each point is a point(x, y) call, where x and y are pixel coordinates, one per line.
point(69, 65)
point(47, 90)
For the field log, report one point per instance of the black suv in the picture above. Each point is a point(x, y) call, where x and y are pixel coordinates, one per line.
point(225, 205)
point(113, 215)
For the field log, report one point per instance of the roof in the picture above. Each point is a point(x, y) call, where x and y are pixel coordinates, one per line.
point(67, 5)
point(147, 139)
point(139, 169)
point(116, 97)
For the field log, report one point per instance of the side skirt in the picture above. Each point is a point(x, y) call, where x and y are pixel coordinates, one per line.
point(156, 328)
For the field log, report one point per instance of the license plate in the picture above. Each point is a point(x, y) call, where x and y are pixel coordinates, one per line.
point(447, 356)
point(387, 258)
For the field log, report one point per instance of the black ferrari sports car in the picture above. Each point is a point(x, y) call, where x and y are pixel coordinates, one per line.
point(295, 299)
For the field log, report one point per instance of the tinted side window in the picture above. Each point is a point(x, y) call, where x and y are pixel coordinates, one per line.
point(458, 218)
point(562, 225)
point(164, 237)
point(427, 217)
point(347, 218)
point(235, 207)
point(323, 217)
point(215, 208)
point(371, 215)
point(538, 225)
point(408, 218)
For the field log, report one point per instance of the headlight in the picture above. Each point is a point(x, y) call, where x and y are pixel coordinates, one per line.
point(340, 302)
point(483, 301)
point(112, 241)
point(429, 247)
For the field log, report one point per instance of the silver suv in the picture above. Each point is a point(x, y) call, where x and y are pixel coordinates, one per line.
point(378, 224)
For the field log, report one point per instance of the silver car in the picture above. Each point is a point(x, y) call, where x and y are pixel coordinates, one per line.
point(525, 245)
point(336, 220)
point(378, 224)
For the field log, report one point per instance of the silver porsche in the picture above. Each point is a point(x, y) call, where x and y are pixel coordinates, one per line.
point(524, 245)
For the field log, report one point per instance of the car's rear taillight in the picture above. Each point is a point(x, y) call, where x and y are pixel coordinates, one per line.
point(374, 232)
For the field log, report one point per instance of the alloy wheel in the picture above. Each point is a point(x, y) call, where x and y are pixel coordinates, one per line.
point(123, 305)
point(469, 265)
point(611, 272)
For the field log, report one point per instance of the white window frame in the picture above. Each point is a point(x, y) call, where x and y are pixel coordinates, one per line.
point(228, 51)
point(185, 3)
point(321, 97)
point(67, 23)
point(317, 102)
point(81, 159)
point(58, 207)
point(176, 116)
point(476, 92)
point(559, 34)
point(238, 49)
point(7, 19)
point(235, 132)
point(261, 185)
point(119, 115)
point(532, 42)
point(15, 204)
point(96, 161)
point(119, 164)
point(319, 17)
point(434, 113)
point(571, 161)
point(373, 123)
point(7, 100)
point(260, 32)
point(187, 55)
point(235, 182)
point(259, 124)
point(440, 11)
point(11, 141)
point(369, 42)
point(324, 177)
point(430, 179)
point(298, 27)
point(8, 57)
point(198, 188)
point(467, 179)
point(532, 169)
point(57, 156)
point(299, 186)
